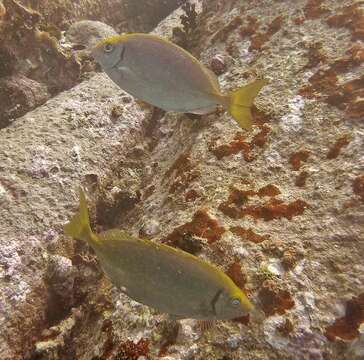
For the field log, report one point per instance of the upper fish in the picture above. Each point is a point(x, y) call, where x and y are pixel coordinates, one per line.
point(165, 75)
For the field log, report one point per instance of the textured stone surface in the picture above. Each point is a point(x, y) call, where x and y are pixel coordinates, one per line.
point(33, 49)
point(20, 94)
point(88, 32)
point(298, 248)
point(43, 156)
point(125, 15)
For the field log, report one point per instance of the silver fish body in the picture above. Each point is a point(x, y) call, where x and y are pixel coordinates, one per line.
point(160, 73)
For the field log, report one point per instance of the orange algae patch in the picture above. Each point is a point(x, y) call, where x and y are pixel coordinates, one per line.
point(237, 197)
point(315, 55)
point(354, 57)
point(202, 225)
point(180, 166)
point(240, 145)
point(334, 152)
point(184, 173)
point(248, 234)
point(235, 273)
point(275, 209)
point(192, 195)
point(323, 81)
point(358, 186)
point(356, 109)
point(347, 327)
point(314, 9)
point(251, 28)
point(356, 53)
point(240, 197)
point(235, 207)
point(242, 320)
point(275, 25)
point(347, 96)
point(261, 138)
point(274, 300)
point(268, 190)
point(259, 117)
point(301, 179)
point(298, 20)
point(351, 17)
point(183, 181)
point(132, 351)
point(222, 34)
point(297, 158)
point(259, 39)
point(346, 93)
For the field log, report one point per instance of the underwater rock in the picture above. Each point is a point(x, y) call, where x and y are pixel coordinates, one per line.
point(18, 95)
point(60, 278)
point(218, 64)
point(33, 56)
point(32, 43)
point(87, 32)
point(305, 266)
point(126, 15)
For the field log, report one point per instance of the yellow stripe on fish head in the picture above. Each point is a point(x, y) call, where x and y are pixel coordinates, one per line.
point(109, 52)
point(112, 40)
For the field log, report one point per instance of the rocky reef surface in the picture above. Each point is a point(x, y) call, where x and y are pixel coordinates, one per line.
point(279, 208)
point(37, 61)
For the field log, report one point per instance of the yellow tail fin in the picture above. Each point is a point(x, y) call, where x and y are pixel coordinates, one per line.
point(79, 226)
point(241, 100)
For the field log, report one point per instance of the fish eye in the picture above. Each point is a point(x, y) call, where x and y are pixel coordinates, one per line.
point(108, 48)
point(235, 301)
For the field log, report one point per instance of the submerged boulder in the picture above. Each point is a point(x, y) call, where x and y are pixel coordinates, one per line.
point(279, 208)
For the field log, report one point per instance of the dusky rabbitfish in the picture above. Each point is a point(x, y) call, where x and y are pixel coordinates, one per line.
point(167, 279)
point(163, 74)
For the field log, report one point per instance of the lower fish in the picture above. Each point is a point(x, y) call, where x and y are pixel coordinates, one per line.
point(167, 279)
point(163, 74)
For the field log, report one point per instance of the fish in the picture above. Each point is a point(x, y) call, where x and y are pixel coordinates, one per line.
point(165, 75)
point(167, 279)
